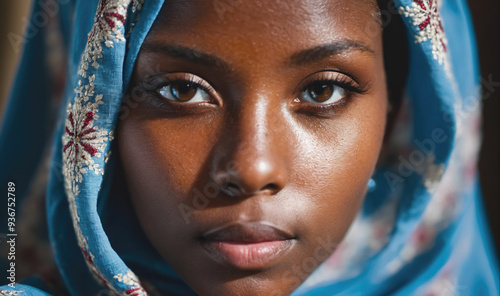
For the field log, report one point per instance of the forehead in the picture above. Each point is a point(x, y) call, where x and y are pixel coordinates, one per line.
point(258, 37)
point(277, 18)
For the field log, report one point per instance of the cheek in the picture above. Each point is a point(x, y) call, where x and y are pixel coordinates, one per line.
point(161, 166)
point(334, 164)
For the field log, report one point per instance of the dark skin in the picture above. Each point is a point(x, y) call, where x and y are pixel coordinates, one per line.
point(281, 116)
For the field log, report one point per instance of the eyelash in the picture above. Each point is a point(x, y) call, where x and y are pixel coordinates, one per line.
point(325, 77)
point(196, 81)
point(334, 78)
point(153, 84)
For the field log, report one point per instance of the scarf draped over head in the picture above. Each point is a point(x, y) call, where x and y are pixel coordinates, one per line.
point(422, 231)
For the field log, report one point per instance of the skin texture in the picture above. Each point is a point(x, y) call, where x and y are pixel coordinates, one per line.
point(255, 151)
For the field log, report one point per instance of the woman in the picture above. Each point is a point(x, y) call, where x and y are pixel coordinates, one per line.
point(251, 137)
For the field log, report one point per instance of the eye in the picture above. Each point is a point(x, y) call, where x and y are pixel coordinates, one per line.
point(184, 91)
point(323, 92)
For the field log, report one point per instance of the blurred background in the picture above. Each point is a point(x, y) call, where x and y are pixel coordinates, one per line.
point(486, 15)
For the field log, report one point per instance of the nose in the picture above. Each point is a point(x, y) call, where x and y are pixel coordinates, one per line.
point(250, 160)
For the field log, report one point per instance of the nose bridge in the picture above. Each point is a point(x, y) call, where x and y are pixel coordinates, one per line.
point(251, 157)
point(252, 126)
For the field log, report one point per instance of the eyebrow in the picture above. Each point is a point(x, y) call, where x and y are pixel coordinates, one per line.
point(307, 56)
point(186, 53)
point(318, 53)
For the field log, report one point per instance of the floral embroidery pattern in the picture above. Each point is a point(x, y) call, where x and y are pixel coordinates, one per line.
point(131, 279)
point(425, 15)
point(108, 21)
point(137, 5)
point(444, 284)
point(83, 141)
point(10, 293)
point(89, 258)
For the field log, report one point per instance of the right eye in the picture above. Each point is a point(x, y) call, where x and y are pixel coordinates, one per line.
point(323, 92)
point(184, 91)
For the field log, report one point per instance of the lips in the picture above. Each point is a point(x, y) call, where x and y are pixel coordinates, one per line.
point(247, 246)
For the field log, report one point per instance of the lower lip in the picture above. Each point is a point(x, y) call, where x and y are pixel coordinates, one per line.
point(248, 256)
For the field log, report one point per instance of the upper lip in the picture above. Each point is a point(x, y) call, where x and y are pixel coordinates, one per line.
point(254, 232)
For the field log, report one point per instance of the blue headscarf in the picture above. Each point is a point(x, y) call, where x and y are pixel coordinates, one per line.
point(421, 231)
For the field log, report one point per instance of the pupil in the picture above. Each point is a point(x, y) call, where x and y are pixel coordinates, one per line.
point(321, 92)
point(183, 91)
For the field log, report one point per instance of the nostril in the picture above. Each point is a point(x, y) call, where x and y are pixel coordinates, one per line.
point(233, 189)
point(270, 187)
point(259, 177)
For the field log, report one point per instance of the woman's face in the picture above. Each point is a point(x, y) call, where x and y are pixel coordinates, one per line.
point(253, 130)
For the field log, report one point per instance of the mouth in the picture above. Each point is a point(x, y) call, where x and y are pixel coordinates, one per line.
point(247, 246)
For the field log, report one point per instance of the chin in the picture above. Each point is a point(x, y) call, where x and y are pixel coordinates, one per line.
point(255, 285)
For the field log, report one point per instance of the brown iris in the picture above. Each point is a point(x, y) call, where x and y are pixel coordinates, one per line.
point(320, 92)
point(183, 91)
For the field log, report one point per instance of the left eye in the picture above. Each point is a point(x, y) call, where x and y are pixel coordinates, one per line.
point(323, 92)
point(184, 91)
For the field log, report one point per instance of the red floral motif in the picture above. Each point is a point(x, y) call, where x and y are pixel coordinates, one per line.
point(130, 279)
point(90, 262)
point(135, 291)
point(108, 23)
point(425, 15)
point(432, 11)
point(106, 18)
point(423, 236)
point(80, 136)
point(82, 140)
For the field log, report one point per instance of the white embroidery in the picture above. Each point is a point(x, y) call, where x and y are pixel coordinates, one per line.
point(10, 293)
point(433, 176)
point(425, 15)
point(130, 279)
point(108, 21)
point(82, 139)
point(443, 285)
point(137, 5)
